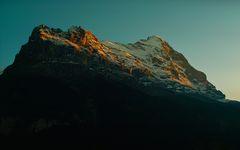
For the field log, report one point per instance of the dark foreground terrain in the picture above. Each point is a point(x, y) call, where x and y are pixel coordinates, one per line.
point(102, 114)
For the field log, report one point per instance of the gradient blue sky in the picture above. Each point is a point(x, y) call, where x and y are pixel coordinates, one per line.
point(206, 32)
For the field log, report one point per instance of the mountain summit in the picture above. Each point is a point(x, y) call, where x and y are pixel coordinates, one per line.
point(149, 64)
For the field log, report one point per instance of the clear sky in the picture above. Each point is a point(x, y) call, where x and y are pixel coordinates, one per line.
point(207, 32)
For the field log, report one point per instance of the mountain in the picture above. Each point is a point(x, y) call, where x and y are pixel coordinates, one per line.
point(152, 64)
point(69, 86)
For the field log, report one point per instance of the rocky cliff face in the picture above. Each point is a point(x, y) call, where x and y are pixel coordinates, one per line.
point(148, 65)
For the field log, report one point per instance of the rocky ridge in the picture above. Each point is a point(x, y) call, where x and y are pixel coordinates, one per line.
point(149, 64)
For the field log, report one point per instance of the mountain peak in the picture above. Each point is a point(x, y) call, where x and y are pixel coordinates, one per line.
point(76, 29)
point(154, 40)
point(155, 37)
point(75, 37)
point(149, 63)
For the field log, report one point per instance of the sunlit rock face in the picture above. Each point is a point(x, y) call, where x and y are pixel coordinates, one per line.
point(148, 65)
